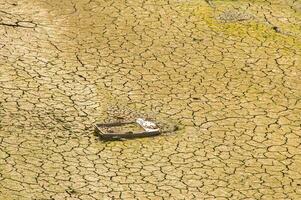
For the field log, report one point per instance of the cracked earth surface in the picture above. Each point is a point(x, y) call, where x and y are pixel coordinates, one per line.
point(227, 72)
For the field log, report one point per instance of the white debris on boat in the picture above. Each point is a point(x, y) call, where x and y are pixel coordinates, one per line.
point(147, 125)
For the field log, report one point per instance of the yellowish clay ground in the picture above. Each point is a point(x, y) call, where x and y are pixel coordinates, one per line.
point(226, 72)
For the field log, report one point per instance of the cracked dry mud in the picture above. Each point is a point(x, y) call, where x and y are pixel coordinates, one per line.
point(228, 72)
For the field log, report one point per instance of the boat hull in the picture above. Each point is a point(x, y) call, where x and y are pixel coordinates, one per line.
point(99, 131)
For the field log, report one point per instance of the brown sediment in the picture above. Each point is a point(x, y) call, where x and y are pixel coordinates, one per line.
point(227, 73)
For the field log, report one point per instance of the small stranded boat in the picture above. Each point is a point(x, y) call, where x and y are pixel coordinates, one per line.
point(127, 130)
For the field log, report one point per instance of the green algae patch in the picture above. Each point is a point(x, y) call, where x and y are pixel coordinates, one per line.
point(252, 29)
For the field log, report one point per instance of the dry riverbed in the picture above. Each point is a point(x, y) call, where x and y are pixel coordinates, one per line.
point(227, 73)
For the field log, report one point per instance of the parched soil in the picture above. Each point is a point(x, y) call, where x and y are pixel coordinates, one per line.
point(227, 73)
